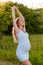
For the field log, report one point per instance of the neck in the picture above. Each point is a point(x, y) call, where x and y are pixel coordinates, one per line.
point(24, 30)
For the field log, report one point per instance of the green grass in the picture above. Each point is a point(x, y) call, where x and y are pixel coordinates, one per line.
point(8, 50)
point(36, 53)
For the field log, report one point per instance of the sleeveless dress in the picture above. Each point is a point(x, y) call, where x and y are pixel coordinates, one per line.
point(23, 46)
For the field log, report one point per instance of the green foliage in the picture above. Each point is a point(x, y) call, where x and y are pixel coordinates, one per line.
point(33, 18)
point(36, 53)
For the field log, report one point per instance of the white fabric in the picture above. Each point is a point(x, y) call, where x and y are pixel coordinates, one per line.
point(23, 46)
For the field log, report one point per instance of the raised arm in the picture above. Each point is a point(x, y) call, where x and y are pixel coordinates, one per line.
point(14, 21)
point(19, 13)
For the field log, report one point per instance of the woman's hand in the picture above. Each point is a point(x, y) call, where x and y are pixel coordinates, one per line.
point(14, 7)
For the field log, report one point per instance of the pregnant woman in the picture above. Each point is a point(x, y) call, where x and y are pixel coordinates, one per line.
point(21, 37)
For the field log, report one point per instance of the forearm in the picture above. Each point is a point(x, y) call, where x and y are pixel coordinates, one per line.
point(19, 13)
point(13, 17)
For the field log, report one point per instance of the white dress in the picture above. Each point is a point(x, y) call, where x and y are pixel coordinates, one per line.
point(23, 46)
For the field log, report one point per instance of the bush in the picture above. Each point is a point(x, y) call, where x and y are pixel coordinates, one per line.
point(33, 18)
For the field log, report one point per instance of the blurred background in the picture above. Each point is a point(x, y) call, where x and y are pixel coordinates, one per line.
point(33, 13)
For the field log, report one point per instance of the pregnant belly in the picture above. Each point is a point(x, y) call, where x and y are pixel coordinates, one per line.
point(25, 45)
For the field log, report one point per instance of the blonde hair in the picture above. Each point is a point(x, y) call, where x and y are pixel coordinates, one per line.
point(15, 39)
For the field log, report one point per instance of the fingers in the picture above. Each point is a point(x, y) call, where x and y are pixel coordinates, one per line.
point(14, 7)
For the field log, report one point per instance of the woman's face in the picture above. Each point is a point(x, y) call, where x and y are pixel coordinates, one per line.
point(21, 22)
